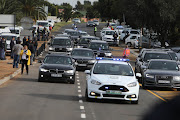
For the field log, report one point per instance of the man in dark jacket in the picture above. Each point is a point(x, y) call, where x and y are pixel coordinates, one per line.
point(24, 41)
point(31, 48)
point(12, 43)
point(115, 36)
point(38, 34)
point(2, 49)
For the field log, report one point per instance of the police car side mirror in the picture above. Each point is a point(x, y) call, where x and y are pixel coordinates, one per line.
point(87, 72)
point(138, 75)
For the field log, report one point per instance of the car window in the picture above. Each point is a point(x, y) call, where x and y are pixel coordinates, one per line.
point(57, 60)
point(99, 46)
point(109, 32)
point(149, 56)
point(133, 37)
point(44, 24)
point(173, 56)
point(113, 69)
point(61, 42)
point(163, 65)
point(83, 53)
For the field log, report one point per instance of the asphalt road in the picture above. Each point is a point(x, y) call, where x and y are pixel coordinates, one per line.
point(23, 98)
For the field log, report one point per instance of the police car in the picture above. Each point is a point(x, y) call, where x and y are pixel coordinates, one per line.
point(112, 78)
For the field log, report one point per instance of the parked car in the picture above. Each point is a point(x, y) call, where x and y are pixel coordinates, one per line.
point(108, 37)
point(96, 22)
point(76, 20)
point(90, 24)
point(132, 40)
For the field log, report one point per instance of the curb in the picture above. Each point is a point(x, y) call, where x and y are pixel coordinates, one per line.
point(5, 79)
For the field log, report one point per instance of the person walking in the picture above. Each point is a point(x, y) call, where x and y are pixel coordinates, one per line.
point(126, 52)
point(24, 40)
point(2, 49)
point(33, 32)
point(25, 59)
point(17, 50)
point(44, 34)
point(32, 49)
point(115, 36)
point(35, 44)
point(95, 30)
point(12, 43)
point(38, 34)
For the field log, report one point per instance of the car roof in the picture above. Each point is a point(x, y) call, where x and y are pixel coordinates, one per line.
point(163, 52)
point(98, 41)
point(42, 21)
point(8, 34)
point(82, 49)
point(88, 37)
point(113, 62)
point(58, 54)
point(61, 38)
point(161, 60)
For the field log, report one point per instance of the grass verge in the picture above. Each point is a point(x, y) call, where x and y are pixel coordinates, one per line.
point(59, 25)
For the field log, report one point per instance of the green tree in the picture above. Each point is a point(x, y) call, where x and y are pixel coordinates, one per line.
point(79, 6)
point(67, 11)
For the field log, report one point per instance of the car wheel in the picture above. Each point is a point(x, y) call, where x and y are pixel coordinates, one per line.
point(143, 84)
point(129, 44)
point(134, 102)
point(73, 80)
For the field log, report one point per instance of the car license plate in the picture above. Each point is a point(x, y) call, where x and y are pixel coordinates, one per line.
point(113, 92)
point(82, 65)
point(163, 81)
point(56, 75)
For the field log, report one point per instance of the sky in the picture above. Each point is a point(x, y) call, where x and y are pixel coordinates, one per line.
point(72, 2)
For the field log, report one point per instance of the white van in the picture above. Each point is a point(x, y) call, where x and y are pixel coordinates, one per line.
point(16, 31)
point(41, 24)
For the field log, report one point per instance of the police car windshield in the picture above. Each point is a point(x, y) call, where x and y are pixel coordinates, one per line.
point(113, 69)
point(163, 65)
point(109, 32)
point(61, 42)
point(99, 46)
point(57, 60)
point(150, 56)
point(83, 53)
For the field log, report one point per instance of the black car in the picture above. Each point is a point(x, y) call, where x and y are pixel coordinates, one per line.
point(57, 67)
point(84, 41)
point(84, 57)
point(61, 44)
point(100, 48)
point(90, 24)
point(74, 35)
point(161, 73)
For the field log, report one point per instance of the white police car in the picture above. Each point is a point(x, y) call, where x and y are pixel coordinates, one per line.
point(112, 78)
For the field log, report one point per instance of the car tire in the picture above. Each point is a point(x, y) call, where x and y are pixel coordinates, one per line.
point(135, 102)
point(73, 81)
point(87, 98)
point(129, 44)
point(143, 84)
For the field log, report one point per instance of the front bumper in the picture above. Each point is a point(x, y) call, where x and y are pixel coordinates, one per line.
point(100, 94)
point(47, 76)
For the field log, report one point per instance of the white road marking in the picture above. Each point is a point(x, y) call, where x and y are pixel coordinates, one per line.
point(82, 107)
point(77, 77)
point(77, 80)
point(79, 87)
point(83, 115)
point(79, 91)
point(80, 101)
point(80, 96)
point(78, 83)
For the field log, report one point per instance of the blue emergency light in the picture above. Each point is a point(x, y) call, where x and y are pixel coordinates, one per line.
point(114, 59)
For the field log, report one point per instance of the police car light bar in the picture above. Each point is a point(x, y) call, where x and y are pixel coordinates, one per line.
point(114, 59)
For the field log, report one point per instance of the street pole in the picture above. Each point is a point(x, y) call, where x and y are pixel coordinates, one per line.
point(14, 22)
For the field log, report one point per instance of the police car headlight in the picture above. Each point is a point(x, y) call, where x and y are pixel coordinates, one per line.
point(108, 54)
point(95, 82)
point(92, 61)
point(133, 84)
point(69, 49)
point(43, 70)
point(149, 76)
point(51, 48)
point(69, 71)
point(176, 78)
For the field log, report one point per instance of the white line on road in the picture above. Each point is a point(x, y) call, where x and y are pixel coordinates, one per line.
point(83, 115)
point(77, 77)
point(79, 87)
point(82, 107)
point(77, 80)
point(80, 96)
point(80, 101)
point(79, 91)
point(78, 83)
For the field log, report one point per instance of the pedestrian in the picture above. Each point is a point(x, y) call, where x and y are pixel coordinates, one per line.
point(35, 44)
point(33, 32)
point(27, 41)
point(17, 50)
point(38, 34)
point(95, 30)
point(44, 34)
point(32, 49)
point(108, 24)
point(2, 49)
point(25, 59)
point(115, 36)
point(126, 52)
point(50, 27)
point(12, 43)
point(24, 40)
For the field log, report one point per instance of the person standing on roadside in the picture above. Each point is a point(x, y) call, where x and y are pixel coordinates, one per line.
point(44, 34)
point(2, 49)
point(17, 50)
point(33, 32)
point(126, 52)
point(115, 36)
point(24, 40)
point(95, 30)
point(38, 34)
point(25, 59)
point(12, 43)
point(31, 48)
point(35, 44)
